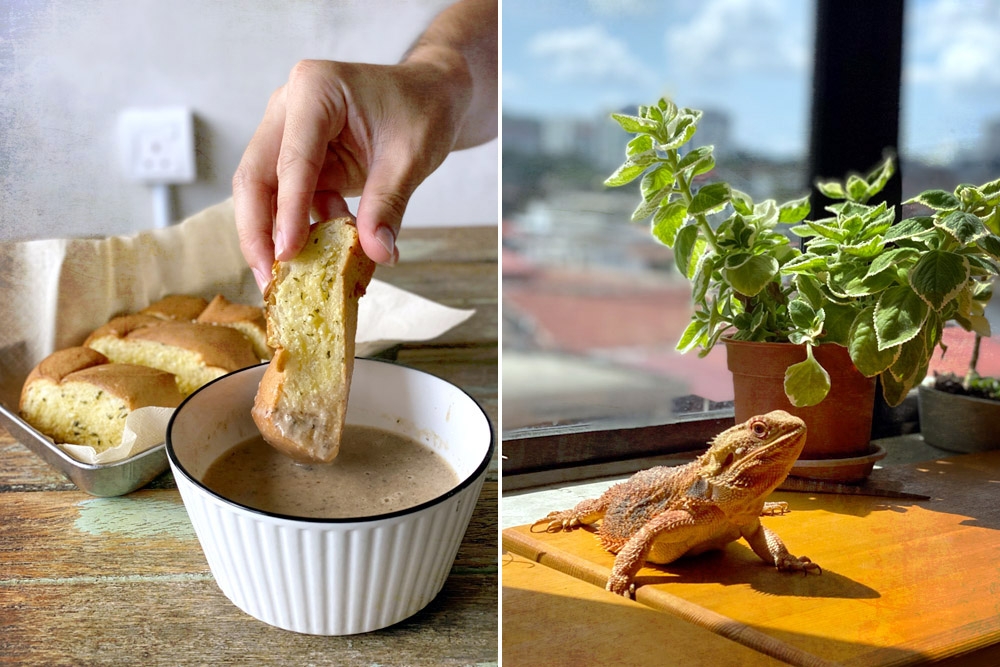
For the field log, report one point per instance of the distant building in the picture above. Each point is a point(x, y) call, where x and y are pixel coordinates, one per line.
point(523, 135)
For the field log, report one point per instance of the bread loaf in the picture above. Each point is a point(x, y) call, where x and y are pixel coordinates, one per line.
point(194, 352)
point(176, 307)
point(311, 308)
point(248, 320)
point(77, 396)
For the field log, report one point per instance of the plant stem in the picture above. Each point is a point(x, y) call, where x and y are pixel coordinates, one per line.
point(973, 362)
point(685, 189)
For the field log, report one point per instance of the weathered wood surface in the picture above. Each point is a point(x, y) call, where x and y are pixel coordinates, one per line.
point(91, 581)
point(903, 582)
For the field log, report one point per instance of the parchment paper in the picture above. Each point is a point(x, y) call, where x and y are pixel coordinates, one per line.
point(53, 293)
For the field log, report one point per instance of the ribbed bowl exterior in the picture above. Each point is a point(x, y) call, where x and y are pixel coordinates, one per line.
point(338, 576)
point(329, 578)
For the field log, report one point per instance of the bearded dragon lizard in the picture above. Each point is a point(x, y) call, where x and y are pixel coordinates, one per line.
point(663, 513)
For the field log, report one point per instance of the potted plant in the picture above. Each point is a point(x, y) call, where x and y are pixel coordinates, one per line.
point(960, 414)
point(868, 296)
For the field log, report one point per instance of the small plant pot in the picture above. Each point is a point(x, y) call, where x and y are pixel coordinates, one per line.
point(839, 427)
point(956, 423)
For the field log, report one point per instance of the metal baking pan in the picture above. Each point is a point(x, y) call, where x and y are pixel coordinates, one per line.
point(108, 479)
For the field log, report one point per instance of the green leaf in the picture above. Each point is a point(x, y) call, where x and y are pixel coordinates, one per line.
point(866, 249)
point(826, 230)
point(991, 245)
point(909, 228)
point(893, 390)
point(693, 156)
point(809, 289)
point(702, 277)
point(751, 276)
point(684, 129)
point(693, 335)
point(646, 208)
point(899, 314)
point(806, 383)
point(634, 124)
point(863, 345)
point(667, 221)
point(939, 200)
point(912, 355)
point(939, 276)
point(802, 313)
point(966, 227)
point(684, 247)
point(794, 211)
point(741, 202)
point(805, 263)
point(837, 323)
point(638, 145)
point(991, 192)
point(857, 188)
point(656, 180)
point(831, 189)
point(891, 259)
point(710, 198)
point(626, 173)
point(880, 175)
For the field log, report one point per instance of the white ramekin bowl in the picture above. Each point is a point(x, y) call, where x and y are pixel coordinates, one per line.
point(333, 576)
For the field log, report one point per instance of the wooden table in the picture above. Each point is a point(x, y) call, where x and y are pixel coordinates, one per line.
point(904, 581)
point(89, 581)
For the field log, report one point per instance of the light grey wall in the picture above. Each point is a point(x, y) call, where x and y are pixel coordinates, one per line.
point(67, 68)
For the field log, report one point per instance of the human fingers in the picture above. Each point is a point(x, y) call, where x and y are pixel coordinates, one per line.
point(254, 189)
point(329, 205)
point(313, 116)
point(391, 182)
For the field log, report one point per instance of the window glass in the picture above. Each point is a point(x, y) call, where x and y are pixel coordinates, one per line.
point(592, 307)
point(950, 123)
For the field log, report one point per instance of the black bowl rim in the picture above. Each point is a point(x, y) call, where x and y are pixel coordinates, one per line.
point(463, 484)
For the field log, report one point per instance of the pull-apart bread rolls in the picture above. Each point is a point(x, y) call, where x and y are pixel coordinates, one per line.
point(248, 320)
point(77, 396)
point(195, 352)
point(311, 307)
point(176, 307)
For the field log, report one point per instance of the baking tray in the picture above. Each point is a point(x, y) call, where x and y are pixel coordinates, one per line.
point(105, 480)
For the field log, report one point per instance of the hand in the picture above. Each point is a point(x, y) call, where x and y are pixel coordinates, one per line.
point(337, 130)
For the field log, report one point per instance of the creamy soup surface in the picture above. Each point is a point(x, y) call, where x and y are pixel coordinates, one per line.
point(375, 472)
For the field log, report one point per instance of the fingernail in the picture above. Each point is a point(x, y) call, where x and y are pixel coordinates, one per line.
point(280, 243)
point(387, 239)
point(261, 278)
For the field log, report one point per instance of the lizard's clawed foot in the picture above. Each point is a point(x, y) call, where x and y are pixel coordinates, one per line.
point(770, 509)
point(620, 585)
point(790, 563)
point(557, 521)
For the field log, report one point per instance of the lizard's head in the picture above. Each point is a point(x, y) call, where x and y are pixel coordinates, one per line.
point(757, 453)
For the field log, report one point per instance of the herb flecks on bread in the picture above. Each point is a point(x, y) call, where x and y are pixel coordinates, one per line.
point(195, 352)
point(78, 396)
point(311, 307)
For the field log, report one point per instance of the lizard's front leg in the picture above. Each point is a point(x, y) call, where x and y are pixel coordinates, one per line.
point(766, 544)
point(585, 512)
point(673, 530)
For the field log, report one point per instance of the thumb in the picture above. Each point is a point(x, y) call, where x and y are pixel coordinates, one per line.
point(384, 198)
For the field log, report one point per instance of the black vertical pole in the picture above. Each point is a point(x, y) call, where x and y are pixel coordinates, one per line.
point(856, 84)
point(855, 109)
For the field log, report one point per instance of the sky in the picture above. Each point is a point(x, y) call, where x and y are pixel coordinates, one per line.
point(751, 59)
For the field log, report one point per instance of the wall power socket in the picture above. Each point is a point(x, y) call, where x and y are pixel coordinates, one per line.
point(158, 144)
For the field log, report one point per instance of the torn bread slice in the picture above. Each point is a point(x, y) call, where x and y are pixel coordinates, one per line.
point(311, 307)
point(78, 396)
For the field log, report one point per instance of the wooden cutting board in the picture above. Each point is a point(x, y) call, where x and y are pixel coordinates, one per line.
point(551, 618)
point(903, 581)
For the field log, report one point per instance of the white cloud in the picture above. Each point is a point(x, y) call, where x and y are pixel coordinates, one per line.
point(727, 37)
point(623, 7)
point(954, 45)
point(588, 55)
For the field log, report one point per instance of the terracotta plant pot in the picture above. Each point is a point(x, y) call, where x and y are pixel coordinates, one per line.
point(838, 427)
